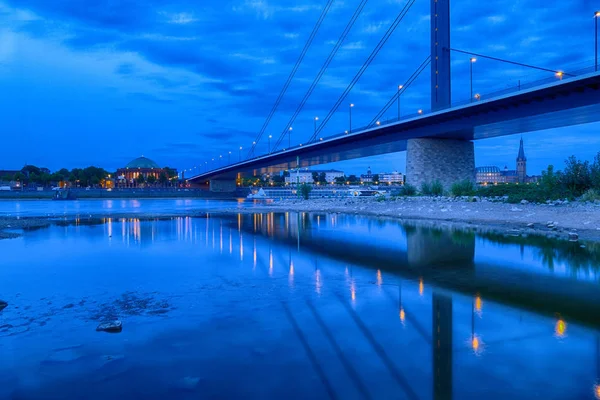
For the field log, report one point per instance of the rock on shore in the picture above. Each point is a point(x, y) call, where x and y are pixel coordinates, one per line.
point(110, 327)
point(3, 305)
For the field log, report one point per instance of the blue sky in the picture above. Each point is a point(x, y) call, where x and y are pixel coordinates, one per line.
point(180, 81)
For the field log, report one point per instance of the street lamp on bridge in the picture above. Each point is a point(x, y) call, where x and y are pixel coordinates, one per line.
point(270, 136)
point(472, 61)
point(316, 119)
point(240, 154)
point(229, 158)
point(290, 137)
point(596, 17)
point(351, 107)
point(399, 89)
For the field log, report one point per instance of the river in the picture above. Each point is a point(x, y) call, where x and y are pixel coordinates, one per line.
point(295, 306)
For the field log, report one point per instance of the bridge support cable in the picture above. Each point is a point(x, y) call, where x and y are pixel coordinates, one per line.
point(292, 73)
point(364, 67)
point(511, 62)
point(324, 67)
point(405, 86)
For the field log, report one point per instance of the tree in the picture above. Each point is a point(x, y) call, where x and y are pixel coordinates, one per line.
point(163, 179)
point(595, 172)
point(171, 172)
point(305, 191)
point(140, 179)
point(340, 180)
point(151, 180)
point(576, 176)
point(315, 176)
point(352, 179)
point(323, 178)
point(278, 180)
point(286, 174)
point(376, 179)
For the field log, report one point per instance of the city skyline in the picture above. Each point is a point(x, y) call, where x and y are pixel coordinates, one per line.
point(101, 85)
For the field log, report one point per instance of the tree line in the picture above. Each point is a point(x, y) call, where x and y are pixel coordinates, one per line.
point(83, 177)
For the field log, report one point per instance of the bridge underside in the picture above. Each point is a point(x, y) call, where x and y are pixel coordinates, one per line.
point(567, 103)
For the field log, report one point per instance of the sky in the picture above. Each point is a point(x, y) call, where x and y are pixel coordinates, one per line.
point(183, 81)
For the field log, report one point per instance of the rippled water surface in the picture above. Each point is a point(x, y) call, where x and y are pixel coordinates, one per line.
point(310, 306)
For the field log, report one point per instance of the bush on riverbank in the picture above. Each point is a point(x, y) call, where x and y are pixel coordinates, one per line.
point(434, 188)
point(463, 188)
point(305, 191)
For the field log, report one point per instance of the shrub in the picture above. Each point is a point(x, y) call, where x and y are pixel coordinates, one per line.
point(305, 190)
point(463, 188)
point(591, 196)
point(434, 188)
point(408, 190)
point(576, 176)
point(426, 189)
point(380, 198)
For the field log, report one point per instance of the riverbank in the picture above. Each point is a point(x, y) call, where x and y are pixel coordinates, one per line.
point(562, 220)
point(83, 194)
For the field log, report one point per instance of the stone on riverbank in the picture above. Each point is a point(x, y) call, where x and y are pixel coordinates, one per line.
point(3, 305)
point(110, 327)
point(573, 236)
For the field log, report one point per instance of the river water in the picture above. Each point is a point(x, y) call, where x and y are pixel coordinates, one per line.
point(296, 306)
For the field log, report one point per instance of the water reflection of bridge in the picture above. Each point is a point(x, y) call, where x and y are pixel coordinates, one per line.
point(443, 259)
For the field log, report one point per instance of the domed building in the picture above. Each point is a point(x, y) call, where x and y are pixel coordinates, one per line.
point(142, 171)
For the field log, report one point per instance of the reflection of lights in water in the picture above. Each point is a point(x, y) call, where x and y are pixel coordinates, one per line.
point(318, 282)
point(353, 290)
point(230, 242)
point(421, 287)
point(560, 329)
point(291, 275)
point(597, 391)
point(476, 344)
point(241, 247)
point(270, 262)
point(239, 222)
point(402, 315)
point(221, 239)
point(254, 254)
point(109, 227)
point(478, 305)
point(379, 278)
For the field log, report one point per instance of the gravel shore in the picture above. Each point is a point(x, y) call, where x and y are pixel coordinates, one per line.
point(563, 220)
point(554, 220)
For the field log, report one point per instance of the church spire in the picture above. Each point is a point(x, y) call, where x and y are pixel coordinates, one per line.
point(521, 156)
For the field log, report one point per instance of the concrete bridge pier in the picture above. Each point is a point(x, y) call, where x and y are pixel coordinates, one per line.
point(444, 160)
point(222, 185)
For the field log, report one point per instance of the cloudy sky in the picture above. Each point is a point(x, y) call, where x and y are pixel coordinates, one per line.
point(182, 81)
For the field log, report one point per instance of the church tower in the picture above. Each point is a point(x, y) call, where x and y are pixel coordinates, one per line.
point(521, 164)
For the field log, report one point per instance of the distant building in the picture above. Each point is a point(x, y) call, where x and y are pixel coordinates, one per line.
point(493, 175)
point(307, 176)
point(368, 177)
point(391, 178)
point(141, 166)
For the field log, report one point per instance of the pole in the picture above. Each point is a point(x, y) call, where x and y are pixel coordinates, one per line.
point(596, 15)
point(350, 128)
point(471, 64)
point(290, 137)
point(240, 154)
point(399, 102)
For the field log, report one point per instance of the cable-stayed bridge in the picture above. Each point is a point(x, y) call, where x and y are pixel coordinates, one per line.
point(439, 142)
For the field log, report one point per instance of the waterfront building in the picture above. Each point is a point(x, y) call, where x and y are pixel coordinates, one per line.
point(129, 176)
point(391, 178)
point(307, 176)
point(491, 175)
point(368, 177)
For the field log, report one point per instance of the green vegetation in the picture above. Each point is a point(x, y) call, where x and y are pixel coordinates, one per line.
point(591, 195)
point(434, 188)
point(305, 191)
point(408, 190)
point(463, 188)
point(579, 178)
